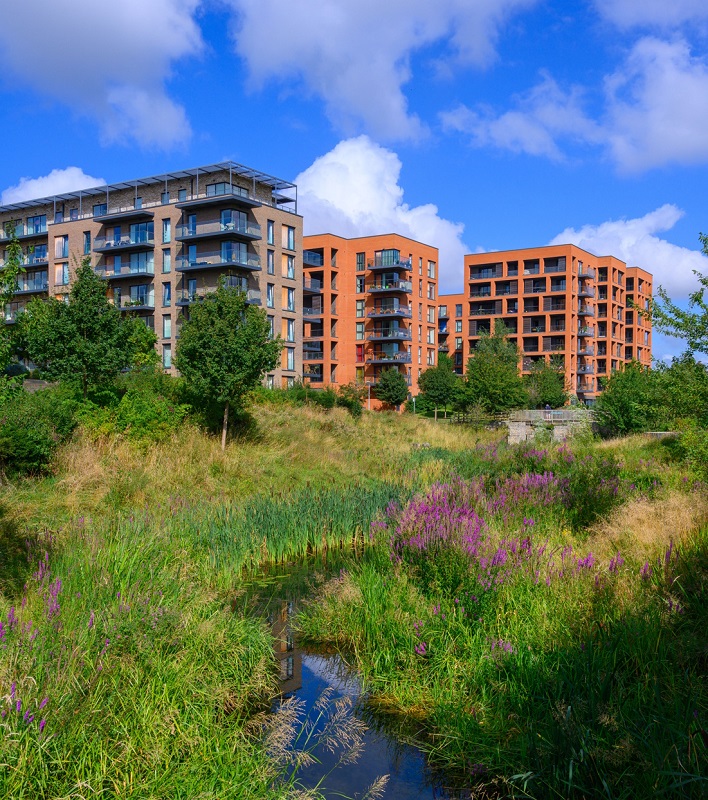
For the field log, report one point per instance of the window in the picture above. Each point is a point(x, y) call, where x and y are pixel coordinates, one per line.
point(234, 253)
point(270, 382)
point(270, 295)
point(431, 335)
point(165, 198)
point(420, 313)
point(58, 215)
point(420, 355)
point(458, 326)
point(458, 343)
point(431, 291)
point(420, 333)
point(289, 267)
point(37, 224)
point(359, 331)
point(138, 202)
point(420, 288)
point(431, 269)
point(271, 262)
point(360, 308)
point(87, 243)
point(61, 247)
point(142, 262)
point(288, 237)
point(142, 232)
point(140, 294)
point(271, 326)
point(166, 260)
point(74, 214)
point(291, 358)
point(360, 352)
point(167, 327)
point(181, 195)
point(360, 286)
point(458, 310)
point(167, 356)
point(431, 358)
point(61, 275)
point(290, 300)
point(360, 374)
point(420, 266)
point(289, 330)
point(214, 189)
point(100, 209)
point(166, 231)
point(166, 295)
point(431, 314)
point(360, 262)
point(270, 227)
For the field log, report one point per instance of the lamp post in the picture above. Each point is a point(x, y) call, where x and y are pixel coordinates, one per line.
point(414, 405)
point(368, 389)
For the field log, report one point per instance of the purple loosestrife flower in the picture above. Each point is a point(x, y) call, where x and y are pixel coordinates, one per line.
point(18, 706)
point(11, 618)
point(646, 571)
point(420, 649)
point(616, 563)
point(28, 718)
point(43, 703)
point(13, 689)
point(42, 723)
point(91, 619)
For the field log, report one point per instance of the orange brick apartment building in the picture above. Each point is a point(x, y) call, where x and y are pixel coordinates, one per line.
point(369, 305)
point(557, 301)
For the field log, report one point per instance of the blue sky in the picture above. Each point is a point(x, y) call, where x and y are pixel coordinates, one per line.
point(468, 124)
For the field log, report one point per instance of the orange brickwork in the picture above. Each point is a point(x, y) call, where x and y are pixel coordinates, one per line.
point(370, 305)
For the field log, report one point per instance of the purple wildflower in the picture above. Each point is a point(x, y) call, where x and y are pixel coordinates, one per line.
point(42, 723)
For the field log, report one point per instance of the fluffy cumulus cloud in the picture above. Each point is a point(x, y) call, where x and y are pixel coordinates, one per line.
point(107, 60)
point(635, 241)
point(655, 113)
point(354, 190)
point(652, 13)
point(58, 181)
point(356, 54)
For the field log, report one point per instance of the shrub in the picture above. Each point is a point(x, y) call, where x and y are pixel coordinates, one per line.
point(31, 428)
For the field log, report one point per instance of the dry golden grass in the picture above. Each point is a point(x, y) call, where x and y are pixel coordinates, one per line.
point(642, 527)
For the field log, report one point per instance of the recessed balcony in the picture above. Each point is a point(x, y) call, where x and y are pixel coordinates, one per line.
point(22, 232)
point(146, 303)
point(185, 297)
point(215, 228)
point(312, 259)
point(125, 271)
point(378, 264)
point(311, 286)
point(202, 261)
point(586, 369)
point(390, 286)
point(390, 336)
point(586, 291)
point(393, 311)
point(235, 196)
point(312, 355)
point(118, 244)
point(586, 311)
point(312, 313)
point(586, 331)
point(392, 359)
point(32, 287)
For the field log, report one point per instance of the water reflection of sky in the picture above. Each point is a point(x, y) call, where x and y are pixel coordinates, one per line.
point(383, 755)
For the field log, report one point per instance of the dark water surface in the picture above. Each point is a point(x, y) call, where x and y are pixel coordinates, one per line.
point(306, 674)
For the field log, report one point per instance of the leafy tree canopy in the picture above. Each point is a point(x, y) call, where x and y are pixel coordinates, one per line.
point(546, 385)
point(8, 284)
point(225, 349)
point(493, 381)
point(392, 388)
point(85, 341)
point(438, 384)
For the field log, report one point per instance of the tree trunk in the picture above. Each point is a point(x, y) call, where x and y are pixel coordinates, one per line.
point(436, 413)
point(224, 426)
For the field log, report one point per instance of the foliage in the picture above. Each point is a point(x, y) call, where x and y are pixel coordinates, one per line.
point(225, 349)
point(391, 387)
point(9, 275)
point(438, 384)
point(31, 428)
point(690, 324)
point(492, 380)
point(84, 341)
point(546, 385)
point(627, 402)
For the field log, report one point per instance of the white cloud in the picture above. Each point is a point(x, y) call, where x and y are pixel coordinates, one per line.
point(652, 13)
point(354, 191)
point(355, 54)
point(108, 60)
point(655, 113)
point(658, 107)
point(635, 242)
point(58, 181)
point(543, 114)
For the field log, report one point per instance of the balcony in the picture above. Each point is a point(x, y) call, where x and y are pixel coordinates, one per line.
point(394, 311)
point(312, 355)
point(24, 232)
point(185, 297)
point(378, 264)
point(443, 348)
point(311, 313)
point(201, 261)
point(125, 271)
point(484, 311)
point(443, 313)
point(586, 331)
point(558, 287)
point(393, 359)
point(12, 310)
point(388, 336)
point(32, 287)
point(374, 383)
point(482, 293)
point(586, 311)
point(235, 195)
point(585, 387)
point(111, 244)
point(586, 272)
point(146, 303)
point(586, 369)
point(216, 228)
point(390, 286)
point(311, 286)
point(586, 291)
point(586, 350)
point(124, 214)
point(312, 259)
point(29, 260)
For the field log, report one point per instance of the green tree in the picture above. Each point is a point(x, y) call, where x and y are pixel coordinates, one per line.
point(493, 381)
point(225, 349)
point(85, 341)
point(546, 385)
point(438, 384)
point(392, 387)
point(8, 286)
point(628, 402)
point(690, 324)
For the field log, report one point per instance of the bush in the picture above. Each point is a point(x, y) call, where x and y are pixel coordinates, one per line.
point(31, 428)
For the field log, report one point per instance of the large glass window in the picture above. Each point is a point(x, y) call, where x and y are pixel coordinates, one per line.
point(167, 356)
point(142, 232)
point(100, 209)
point(61, 247)
point(166, 231)
point(166, 294)
point(270, 228)
point(288, 237)
point(166, 260)
point(360, 262)
point(234, 252)
point(289, 330)
point(142, 262)
point(87, 243)
point(167, 327)
point(360, 304)
point(291, 358)
point(270, 295)
point(290, 300)
point(37, 224)
point(270, 261)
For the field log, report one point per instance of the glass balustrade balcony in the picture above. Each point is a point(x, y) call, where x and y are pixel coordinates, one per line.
point(217, 228)
point(202, 261)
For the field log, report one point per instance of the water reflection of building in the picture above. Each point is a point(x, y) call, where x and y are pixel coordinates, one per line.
point(288, 655)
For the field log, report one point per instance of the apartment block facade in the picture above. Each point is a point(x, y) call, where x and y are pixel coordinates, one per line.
point(451, 324)
point(165, 241)
point(370, 305)
point(563, 302)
